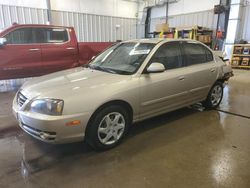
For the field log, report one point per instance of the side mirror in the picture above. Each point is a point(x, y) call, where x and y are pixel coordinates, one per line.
point(156, 67)
point(3, 41)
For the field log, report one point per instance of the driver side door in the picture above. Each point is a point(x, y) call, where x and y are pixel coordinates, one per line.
point(165, 91)
point(21, 56)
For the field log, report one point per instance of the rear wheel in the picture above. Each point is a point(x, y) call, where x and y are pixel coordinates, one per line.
point(108, 127)
point(214, 96)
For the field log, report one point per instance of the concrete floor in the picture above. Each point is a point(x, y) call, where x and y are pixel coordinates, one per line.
point(185, 148)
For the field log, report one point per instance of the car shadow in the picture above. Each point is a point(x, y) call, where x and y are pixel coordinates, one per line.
point(51, 155)
point(161, 120)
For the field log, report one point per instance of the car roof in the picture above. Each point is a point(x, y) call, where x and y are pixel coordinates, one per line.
point(15, 25)
point(157, 40)
point(37, 25)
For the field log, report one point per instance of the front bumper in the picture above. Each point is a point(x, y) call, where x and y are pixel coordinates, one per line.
point(51, 129)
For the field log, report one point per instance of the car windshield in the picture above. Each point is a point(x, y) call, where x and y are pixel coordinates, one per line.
point(123, 58)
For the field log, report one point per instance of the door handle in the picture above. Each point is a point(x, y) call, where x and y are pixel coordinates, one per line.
point(181, 78)
point(212, 70)
point(34, 49)
point(70, 48)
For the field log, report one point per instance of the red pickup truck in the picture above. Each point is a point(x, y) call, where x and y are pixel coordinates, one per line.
point(34, 50)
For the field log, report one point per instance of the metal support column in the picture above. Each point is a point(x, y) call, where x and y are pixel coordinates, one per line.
point(167, 4)
point(233, 25)
point(49, 11)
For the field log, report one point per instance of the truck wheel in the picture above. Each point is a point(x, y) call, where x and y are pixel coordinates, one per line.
point(108, 127)
point(214, 96)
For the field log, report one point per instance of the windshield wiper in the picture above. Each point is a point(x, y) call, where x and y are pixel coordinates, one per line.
point(123, 72)
point(101, 68)
point(117, 71)
point(105, 69)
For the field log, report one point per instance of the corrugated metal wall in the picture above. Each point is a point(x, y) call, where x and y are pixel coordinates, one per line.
point(97, 28)
point(89, 27)
point(204, 18)
point(245, 27)
point(22, 15)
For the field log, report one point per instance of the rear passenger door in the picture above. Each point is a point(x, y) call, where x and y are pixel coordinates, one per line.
point(200, 69)
point(59, 51)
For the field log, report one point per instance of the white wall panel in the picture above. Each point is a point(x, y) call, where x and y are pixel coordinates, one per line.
point(191, 6)
point(88, 27)
point(96, 28)
point(186, 13)
point(117, 8)
point(184, 7)
point(21, 15)
point(204, 18)
point(26, 3)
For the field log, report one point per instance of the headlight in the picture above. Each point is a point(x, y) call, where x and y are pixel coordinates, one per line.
point(52, 107)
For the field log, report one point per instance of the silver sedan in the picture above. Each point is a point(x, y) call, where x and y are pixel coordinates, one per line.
point(129, 82)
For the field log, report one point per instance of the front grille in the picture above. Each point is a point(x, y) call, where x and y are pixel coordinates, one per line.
point(21, 99)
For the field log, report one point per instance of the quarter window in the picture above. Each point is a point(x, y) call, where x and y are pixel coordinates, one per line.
point(209, 55)
point(20, 36)
point(169, 55)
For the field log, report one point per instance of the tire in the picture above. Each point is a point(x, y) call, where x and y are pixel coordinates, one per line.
point(215, 96)
point(108, 127)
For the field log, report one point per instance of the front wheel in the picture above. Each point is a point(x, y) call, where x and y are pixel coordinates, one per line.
point(108, 127)
point(214, 96)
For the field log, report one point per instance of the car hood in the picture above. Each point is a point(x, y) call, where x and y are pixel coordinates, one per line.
point(64, 82)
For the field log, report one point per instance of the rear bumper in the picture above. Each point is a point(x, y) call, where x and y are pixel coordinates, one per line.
point(227, 76)
point(52, 129)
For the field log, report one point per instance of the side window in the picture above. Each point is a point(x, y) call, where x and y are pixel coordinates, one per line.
point(56, 35)
point(39, 35)
point(169, 55)
point(19, 36)
point(194, 54)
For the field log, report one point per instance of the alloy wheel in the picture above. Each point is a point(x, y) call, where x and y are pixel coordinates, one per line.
point(216, 95)
point(111, 128)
